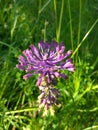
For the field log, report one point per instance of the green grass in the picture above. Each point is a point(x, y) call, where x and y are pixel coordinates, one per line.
point(24, 22)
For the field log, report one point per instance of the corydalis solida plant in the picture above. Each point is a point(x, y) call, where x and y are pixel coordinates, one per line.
point(47, 61)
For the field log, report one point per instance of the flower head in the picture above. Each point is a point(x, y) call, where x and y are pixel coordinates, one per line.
point(47, 60)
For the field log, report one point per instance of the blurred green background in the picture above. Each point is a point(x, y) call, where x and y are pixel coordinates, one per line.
point(75, 22)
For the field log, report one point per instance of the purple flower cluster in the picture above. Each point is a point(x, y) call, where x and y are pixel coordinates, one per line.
point(47, 60)
point(48, 97)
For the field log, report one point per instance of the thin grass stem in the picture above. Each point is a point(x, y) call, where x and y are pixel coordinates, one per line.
point(71, 28)
point(60, 22)
point(55, 11)
point(19, 111)
point(14, 26)
point(95, 127)
point(86, 35)
point(44, 6)
point(79, 26)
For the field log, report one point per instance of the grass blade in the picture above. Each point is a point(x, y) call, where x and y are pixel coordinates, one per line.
point(86, 35)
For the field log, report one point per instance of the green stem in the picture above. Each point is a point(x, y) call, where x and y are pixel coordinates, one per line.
point(60, 22)
point(55, 11)
point(44, 6)
point(45, 30)
point(19, 111)
point(71, 29)
point(86, 35)
point(79, 27)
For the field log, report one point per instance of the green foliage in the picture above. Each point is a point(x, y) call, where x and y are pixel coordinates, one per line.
point(28, 21)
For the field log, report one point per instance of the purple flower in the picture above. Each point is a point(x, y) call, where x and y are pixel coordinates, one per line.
point(48, 97)
point(47, 60)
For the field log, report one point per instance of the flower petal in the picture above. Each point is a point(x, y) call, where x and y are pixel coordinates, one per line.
point(35, 51)
point(26, 76)
point(21, 67)
point(38, 83)
point(64, 76)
